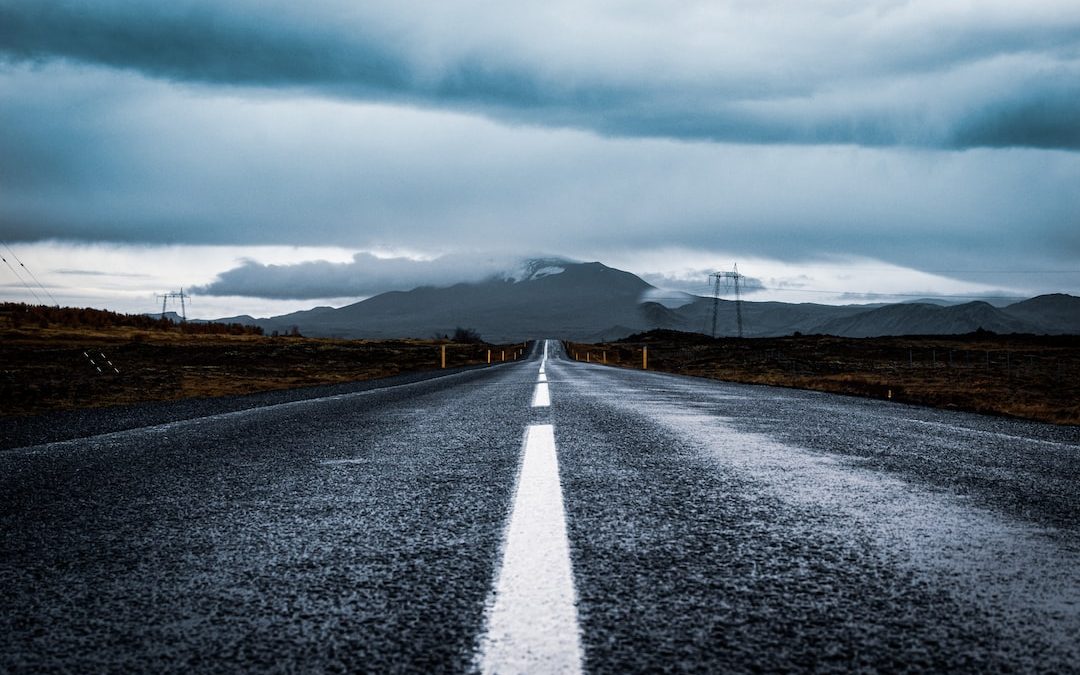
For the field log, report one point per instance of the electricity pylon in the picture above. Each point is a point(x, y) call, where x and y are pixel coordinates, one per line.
point(174, 294)
point(736, 279)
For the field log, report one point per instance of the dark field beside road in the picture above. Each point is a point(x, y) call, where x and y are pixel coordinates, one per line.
point(48, 369)
point(1024, 376)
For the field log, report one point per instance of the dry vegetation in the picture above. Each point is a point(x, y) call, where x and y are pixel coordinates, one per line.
point(46, 364)
point(1025, 376)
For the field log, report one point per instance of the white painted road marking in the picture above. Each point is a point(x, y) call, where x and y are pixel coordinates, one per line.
point(542, 378)
point(532, 622)
point(541, 397)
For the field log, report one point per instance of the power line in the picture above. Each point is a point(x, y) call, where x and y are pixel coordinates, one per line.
point(859, 268)
point(926, 294)
point(869, 294)
point(32, 276)
point(21, 280)
point(1000, 271)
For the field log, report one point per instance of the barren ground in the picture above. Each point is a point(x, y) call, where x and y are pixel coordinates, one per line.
point(46, 369)
point(1024, 376)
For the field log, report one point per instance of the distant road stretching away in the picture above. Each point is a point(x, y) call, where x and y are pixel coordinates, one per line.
point(547, 515)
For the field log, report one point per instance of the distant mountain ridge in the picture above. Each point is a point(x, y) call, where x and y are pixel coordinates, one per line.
point(589, 301)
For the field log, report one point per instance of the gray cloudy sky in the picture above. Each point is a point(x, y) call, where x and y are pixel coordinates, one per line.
point(332, 149)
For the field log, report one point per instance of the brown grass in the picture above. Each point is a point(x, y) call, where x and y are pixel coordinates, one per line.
point(1030, 377)
point(44, 368)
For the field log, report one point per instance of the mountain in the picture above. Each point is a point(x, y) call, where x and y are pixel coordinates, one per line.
point(1054, 313)
point(572, 300)
point(760, 319)
point(925, 319)
point(171, 316)
point(552, 297)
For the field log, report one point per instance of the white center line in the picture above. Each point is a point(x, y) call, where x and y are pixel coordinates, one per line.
point(542, 378)
point(541, 397)
point(532, 622)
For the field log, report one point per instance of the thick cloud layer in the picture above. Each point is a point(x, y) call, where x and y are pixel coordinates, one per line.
point(927, 73)
point(926, 135)
point(94, 155)
point(366, 275)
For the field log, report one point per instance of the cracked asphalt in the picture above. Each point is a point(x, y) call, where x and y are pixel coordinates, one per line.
point(712, 527)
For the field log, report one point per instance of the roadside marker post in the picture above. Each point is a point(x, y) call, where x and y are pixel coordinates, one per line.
point(444, 356)
point(645, 357)
point(489, 356)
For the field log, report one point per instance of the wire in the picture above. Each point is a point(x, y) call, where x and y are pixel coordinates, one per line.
point(32, 275)
point(871, 294)
point(1003, 271)
point(21, 280)
point(868, 294)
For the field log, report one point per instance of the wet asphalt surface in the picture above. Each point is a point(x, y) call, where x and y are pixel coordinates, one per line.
point(345, 535)
point(712, 527)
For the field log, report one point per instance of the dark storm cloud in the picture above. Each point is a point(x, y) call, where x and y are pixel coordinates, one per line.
point(836, 72)
point(263, 45)
point(355, 125)
point(192, 41)
point(122, 158)
point(1048, 118)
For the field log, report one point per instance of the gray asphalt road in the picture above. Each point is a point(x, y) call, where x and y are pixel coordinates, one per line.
point(707, 527)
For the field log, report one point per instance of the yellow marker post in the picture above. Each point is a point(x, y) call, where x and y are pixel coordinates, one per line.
point(605, 358)
point(489, 356)
point(502, 355)
point(588, 357)
point(444, 356)
point(645, 357)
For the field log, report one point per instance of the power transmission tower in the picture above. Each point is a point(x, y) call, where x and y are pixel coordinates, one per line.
point(173, 295)
point(736, 279)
